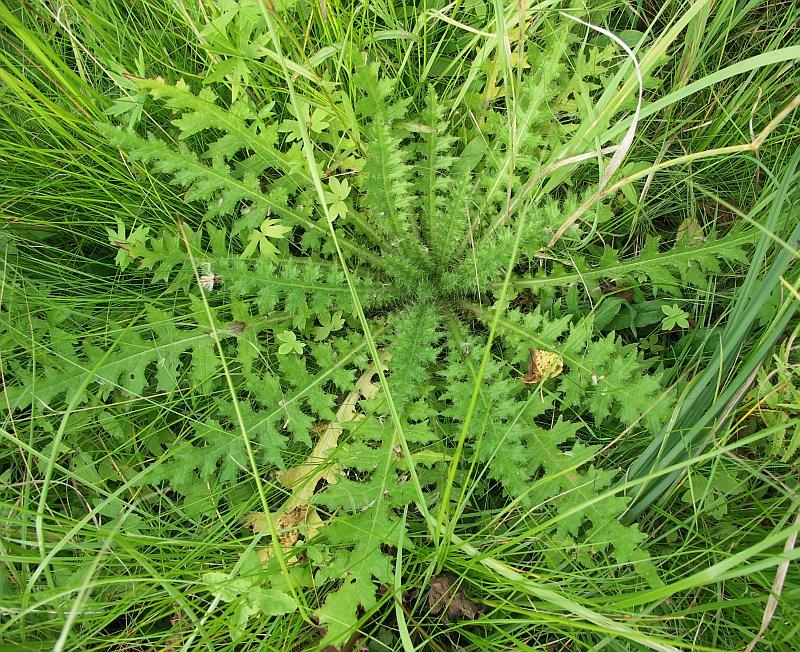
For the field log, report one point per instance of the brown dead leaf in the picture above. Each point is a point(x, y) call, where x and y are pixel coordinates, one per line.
point(236, 327)
point(690, 229)
point(291, 524)
point(543, 365)
point(723, 216)
point(444, 596)
point(612, 290)
point(288, 524)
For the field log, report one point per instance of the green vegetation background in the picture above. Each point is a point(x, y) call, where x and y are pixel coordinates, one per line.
point(411, 326)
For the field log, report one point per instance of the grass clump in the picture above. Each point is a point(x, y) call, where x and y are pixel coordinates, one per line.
point(398, 327)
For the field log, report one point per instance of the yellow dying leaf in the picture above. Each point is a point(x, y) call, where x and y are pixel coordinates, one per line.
point(543, 365)
point(298, 517)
